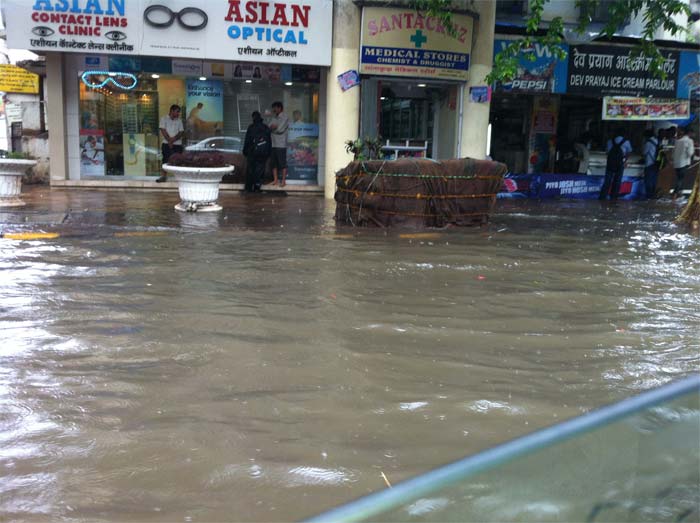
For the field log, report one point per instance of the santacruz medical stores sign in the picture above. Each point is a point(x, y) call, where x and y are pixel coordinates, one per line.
point(401, 42)
point(242, 30)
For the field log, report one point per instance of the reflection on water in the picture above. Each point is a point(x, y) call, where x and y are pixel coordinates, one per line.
point(260, 365)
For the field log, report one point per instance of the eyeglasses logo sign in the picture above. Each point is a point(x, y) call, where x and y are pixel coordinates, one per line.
point(99, 79)
point(162, 17)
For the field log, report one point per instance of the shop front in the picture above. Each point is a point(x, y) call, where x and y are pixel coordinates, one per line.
point(551, 125)
point(413, 74)
point(123, 64)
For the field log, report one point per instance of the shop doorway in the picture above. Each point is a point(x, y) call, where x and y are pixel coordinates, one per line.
point(510, 130)
point(421, 116)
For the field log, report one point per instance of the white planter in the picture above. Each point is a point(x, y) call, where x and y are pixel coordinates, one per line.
point(198, 186)
point(11, 172)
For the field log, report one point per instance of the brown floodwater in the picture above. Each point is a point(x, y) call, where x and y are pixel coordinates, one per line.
point(261, 364)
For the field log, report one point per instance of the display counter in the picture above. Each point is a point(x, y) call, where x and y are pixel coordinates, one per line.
point(598, 160)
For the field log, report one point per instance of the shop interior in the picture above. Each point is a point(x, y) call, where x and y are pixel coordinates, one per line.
point(119, 121)
point(418, 118)
point(579, 123)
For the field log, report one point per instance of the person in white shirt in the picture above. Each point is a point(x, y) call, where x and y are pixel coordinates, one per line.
point(682, 157)
point(279, 125)
point(172, 131)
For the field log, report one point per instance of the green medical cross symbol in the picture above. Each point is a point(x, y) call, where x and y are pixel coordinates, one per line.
point(419, 39)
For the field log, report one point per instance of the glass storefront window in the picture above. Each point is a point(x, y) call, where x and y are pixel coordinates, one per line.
point(119, 120)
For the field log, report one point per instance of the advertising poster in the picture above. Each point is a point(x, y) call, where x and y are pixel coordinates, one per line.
point(644, 109)
point(218, 70)
point(575, 186)
point(92, 152)
point(302, 150)
point(689, 75)
point(545, 112)
point(306, 75)
point(401, 42)
point(134, 154)
point(171, 91)
point(205, 109)
point(187, 67)
point(544, 74)
point(246, 105)
point(348, 79)
point(480, 94)
point(596, 70)
point(248, 71)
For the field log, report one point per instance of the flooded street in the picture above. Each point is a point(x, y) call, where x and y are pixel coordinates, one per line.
point(262, 364)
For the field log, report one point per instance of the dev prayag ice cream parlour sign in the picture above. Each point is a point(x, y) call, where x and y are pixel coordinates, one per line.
point(402, 42)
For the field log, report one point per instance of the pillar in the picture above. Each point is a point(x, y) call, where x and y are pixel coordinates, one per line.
point(342, 107)
point(475, 116)
point(56, 116)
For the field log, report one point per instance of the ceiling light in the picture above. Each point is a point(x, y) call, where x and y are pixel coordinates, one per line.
point(155, 76)
point(421, 85)
point(249, 81)
point(202, 78)
point(288, 83)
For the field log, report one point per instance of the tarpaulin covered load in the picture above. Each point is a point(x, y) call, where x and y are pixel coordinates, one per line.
point(417, 192)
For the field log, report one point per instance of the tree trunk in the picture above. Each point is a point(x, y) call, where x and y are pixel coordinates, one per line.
point(690, 216)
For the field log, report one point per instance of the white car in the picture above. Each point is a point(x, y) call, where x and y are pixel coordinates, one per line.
point(222, 144)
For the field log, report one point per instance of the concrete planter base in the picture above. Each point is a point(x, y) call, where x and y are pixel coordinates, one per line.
point(198, 186)
point(11, 172)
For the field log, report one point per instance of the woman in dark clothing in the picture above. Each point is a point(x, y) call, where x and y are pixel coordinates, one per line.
point(256, 148)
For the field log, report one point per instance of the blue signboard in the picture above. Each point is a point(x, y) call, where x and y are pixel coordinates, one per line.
point(545, 74)
point(415, 57)
point(689, 75)
point(577, 186)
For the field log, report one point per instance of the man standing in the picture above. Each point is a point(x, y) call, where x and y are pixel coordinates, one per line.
point(618, 149)
point(650, 152)
point(682, 156)
point(279, 126)
point(172, 131)
point(256, 149)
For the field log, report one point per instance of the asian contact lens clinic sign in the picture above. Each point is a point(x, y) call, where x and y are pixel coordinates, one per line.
point(240, 30)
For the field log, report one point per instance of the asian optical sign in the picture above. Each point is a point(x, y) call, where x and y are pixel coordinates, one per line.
point(402, 42)
point(241, 30)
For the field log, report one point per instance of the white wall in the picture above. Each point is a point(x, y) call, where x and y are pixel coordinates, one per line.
point(31, 115)
point(37, 147)
point(72, 111)
point(568, 10)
